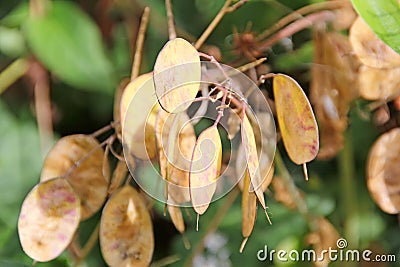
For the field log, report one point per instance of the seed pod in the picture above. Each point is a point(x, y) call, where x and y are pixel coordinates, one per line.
point(253, 164)
point(177, 73)
point(266, 169)
point(205, 168)
point(383, 171)
point(371, 50)
point(176, 218)
point(296, 120)
point(138, 120)
point(176, 138)
point(80, 158)
point(49, 217)
point(379, 84)
point(324, 238)
point(249, 205)
point(126, 231)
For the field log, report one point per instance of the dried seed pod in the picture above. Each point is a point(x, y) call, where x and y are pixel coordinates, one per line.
point(139, 131)
point(253, 164)
point(249, 205)
point(323, 239)
point(117, 106)
point(119, 174)
point(281, 193)
point(177, 73)
point(334, 85)
point(296, 120)
point(266, 169)
point(383, 171)
point(79, 158)
point(379, 84)
point(126, 231)
point(205, 168)
point(176, 138)
point(371, 50)
point(49, 217)
point(176, 218)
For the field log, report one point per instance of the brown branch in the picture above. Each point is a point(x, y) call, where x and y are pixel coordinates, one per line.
point(296, 27)
point(40, 79)
point(212, 25)
point(171, 23)
point(300, 13)
point(137, 59)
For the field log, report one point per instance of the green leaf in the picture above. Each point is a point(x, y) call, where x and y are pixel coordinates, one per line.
point(20, 163)
point(69, 44)
point(384, 19)
point(17, 16)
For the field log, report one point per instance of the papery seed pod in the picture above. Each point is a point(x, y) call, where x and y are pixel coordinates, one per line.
point(49, 218)
point(177, 73)
point(371, 50)
point(126, 230)
point(138, 135)
point(383, 171)
point(205, 168)
point(249, 205)
point(253, 165)
point(80, 158)
point(176, 138)
point(296, 120)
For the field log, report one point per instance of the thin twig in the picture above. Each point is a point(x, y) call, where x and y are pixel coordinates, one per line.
point(12, 73)
point(89, 245)
point(236, 6)
point(224, 10)
point(300, 13)
point(213, 24)
point(102, 130)
point(296, 27)
point(264, 77)
point(251, 65)
point(40, 79)
point(171, 23)
point(137, 59)
point(166, 261)
point(37, 8)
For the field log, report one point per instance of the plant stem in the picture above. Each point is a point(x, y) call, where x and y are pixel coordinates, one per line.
point(171, 23)
point(166, 261)
point(137, 59)
point(298, 14)
point(37, 8)
point(12, 73)
point(213, 24)
point(40, 80)
point(296, 27)
point(348, 187)
point(89, 245)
